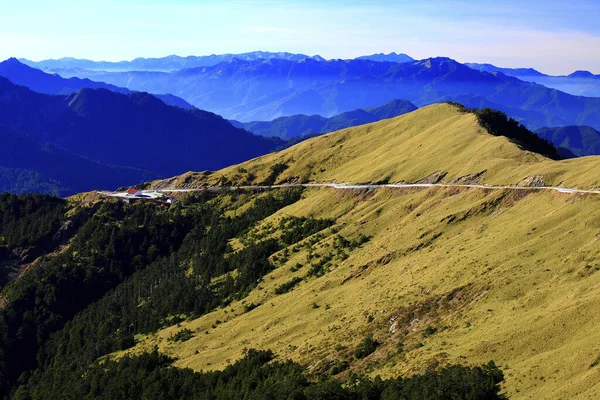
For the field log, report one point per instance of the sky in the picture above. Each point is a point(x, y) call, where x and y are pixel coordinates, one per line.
point(553, 36)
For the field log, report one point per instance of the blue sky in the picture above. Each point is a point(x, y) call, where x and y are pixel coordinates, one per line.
point(553, 36)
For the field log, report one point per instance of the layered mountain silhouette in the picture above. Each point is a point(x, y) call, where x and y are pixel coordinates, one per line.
point(268, 89)
point(43, 82)
point(579, 140)
point(135, 130)
point(580, 83)
point(169, 63)
point(305, 125)
point(506, 71)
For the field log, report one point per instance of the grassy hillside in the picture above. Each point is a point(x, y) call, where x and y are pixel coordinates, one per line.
point(455, 276)
point(436, 276)
point(432, 143)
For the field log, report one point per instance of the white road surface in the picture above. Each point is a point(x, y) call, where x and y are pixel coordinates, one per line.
point(390, 185)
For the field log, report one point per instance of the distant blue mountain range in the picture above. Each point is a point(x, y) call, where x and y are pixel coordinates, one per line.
point(268, 89)
point(580, 83)
point(43, 82)
point(169, 63)
point(174, 62)
point(579, 140)
point(391, 57)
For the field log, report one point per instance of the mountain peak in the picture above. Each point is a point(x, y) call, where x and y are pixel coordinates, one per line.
point(12, 60)
point(581, 74)
point(439, 64)
point(19, 73)
point(506, 71)
point(14, 63)
point(439, 60)
point(391, 57)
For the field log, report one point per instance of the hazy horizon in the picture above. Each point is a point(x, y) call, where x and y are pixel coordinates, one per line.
point(549, 36)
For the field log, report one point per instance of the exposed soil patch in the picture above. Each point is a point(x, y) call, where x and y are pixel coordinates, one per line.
point(366, 269)
point(405, 330)
point(532, 181)
point(435, 310)
point(470, 179)
point(436, 177)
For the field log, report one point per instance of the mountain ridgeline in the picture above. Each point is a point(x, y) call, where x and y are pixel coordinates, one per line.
point(169, 63)
point(441, 143)
point(499, 124)
point(391, 57)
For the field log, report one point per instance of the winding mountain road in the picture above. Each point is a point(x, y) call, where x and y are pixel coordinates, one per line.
point(392, 185)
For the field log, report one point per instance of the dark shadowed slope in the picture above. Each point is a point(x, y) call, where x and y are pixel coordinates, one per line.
point(135, 130)
point(29, 166)
point(580, 140)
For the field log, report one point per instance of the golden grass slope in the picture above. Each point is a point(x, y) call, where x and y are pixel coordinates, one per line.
point(497, 274)
point(502, 275)
point(409, 148)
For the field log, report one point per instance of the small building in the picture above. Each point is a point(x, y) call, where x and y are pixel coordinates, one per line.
point(134, 192)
